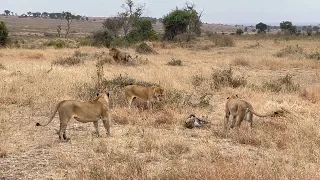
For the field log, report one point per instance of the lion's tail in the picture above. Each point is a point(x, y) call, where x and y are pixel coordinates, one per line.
point(52, 116)
point(266, 115)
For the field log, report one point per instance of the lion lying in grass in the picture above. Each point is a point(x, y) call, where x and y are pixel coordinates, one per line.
point(88, 111)
point(119, 56)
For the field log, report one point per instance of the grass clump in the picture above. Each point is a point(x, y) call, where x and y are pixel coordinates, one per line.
point(2, 66)
point(175, 62)
point(289, 51)
point(240, 62)
point(222, 40)
point(224, 78)
point(314, 55)
point(75, 59)
point(144, 48)
point(284, 84)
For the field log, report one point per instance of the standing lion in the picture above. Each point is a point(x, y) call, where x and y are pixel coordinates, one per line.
point(88, 111)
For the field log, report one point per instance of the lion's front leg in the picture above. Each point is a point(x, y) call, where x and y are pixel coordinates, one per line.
point(105, 120)
point(96, 126)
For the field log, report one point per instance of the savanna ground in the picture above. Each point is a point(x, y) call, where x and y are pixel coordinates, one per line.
point(153, 144)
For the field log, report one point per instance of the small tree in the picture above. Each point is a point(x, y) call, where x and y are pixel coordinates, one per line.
point(176, 22)
point(7, 12)
point(286, 26)
point(142, 31)
point(69, 17)
point(131, 15)
point(309, 30)
point(316, 28)
point(3, 34)
point(239, 32)
point(261, 27)
point(113, 25)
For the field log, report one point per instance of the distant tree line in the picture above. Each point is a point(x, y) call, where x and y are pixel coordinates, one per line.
point(54, 15)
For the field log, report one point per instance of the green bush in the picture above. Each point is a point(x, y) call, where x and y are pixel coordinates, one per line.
point(102, 38)
point(176, 22)
point(142, 31)
point(4, 33)
point(239, 32)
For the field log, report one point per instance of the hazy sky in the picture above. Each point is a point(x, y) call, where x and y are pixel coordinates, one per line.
point(214, 11)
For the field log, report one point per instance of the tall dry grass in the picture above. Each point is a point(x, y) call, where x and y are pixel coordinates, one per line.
point(153, 144)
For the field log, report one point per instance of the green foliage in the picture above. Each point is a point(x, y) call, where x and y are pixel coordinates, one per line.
point(75, 59)
point(113, 25)
point(142, 30)
point(239, 32)
point(261, 27)
point(4, 33)
point(102, 38)
point(176, 22)
point(287, 27)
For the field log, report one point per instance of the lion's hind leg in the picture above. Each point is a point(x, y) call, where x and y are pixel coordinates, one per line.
point(106, 124)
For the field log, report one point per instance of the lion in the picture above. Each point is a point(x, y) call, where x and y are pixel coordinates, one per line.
point(150, 94)
point(88, 111)
point(119, 56)
point(240, 110)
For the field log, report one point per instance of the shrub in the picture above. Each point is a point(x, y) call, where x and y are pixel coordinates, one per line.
point(314, 55)
point(68, 61)
point(176, 22)
point(290, 50)
point(285, 84)
point(239, 32)
point(142, 31)
point(222, 78)
point(102, 38)
point(223, 40)
point(175, 62)
point(4, 33)
point(185, 37)
point(144, 48)
point(73, 60)
point(240, 62)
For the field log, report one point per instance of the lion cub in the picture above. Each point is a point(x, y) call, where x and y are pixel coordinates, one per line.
point(150, 94)
point(240, 110)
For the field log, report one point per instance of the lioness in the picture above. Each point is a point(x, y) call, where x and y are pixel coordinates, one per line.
point(88, 111)
point(150, 94)
point(240, 110)
point(119, 56)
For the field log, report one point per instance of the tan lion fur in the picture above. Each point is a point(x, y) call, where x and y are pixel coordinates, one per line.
point(119, 56)
point(242, 110)
point(149, 94)
point(88, 111)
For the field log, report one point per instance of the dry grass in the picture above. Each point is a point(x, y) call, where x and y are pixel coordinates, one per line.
point(153, 144)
